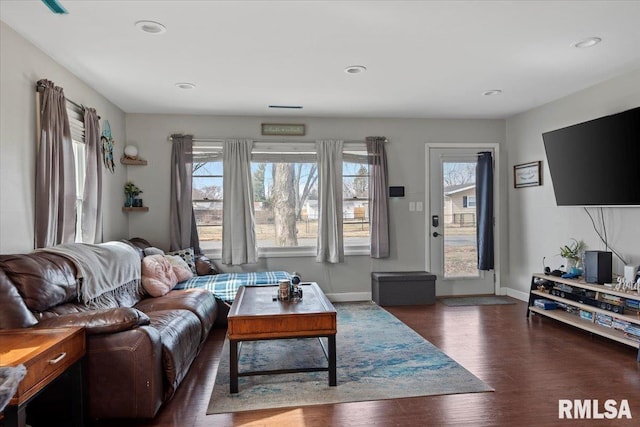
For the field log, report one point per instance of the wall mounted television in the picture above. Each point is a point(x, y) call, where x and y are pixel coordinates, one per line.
point(596, 163)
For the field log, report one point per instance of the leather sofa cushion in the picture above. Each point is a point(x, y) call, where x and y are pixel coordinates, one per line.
point(43, 279)
point(14, 312)
point(180, 335)
point(100, 321)
point(199, 301)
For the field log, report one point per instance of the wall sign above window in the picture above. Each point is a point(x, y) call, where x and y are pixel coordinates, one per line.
point(527, 175)
point(283, 129)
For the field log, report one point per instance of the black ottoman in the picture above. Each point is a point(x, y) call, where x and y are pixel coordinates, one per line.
point(403, 288)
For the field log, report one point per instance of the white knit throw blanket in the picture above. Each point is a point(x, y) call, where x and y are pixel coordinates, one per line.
point(106, 269)
point(10, 378)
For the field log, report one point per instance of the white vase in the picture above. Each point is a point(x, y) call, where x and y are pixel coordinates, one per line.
point(630, 273)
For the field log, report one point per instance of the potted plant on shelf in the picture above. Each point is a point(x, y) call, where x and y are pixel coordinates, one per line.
point(131, 191)
point(572, 253)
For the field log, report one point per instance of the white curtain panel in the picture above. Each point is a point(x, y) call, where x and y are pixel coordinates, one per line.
point(239, 245)
point(92, 196)
point(330, 240)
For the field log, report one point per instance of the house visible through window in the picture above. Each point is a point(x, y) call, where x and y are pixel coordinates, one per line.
point(285, 191)
point(469, 201)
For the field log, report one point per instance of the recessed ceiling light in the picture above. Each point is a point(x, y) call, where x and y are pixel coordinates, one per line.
point(590, 42)
point(151, 27)
point(492, 92)
point(355, 69)
point(185, 85)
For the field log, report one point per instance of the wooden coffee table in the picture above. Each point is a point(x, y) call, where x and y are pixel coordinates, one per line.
point(255, 316)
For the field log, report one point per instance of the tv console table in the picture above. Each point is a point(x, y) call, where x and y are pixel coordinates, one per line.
point(592, 307)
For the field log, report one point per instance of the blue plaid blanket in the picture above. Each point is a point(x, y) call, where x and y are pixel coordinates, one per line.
point(224, 286)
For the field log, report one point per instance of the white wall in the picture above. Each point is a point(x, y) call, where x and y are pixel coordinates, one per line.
point(537, 227)
point(405, 152)
point(21, 66)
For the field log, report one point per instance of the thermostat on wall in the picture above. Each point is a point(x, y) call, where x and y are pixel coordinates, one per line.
point(396, 191)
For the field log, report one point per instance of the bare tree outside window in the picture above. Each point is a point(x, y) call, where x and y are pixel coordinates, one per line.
point(283, 200)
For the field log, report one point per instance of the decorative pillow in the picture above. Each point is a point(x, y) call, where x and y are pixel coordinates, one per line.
point(188, 256)
point(180, 267)
point(152, 251)
point(158, 277)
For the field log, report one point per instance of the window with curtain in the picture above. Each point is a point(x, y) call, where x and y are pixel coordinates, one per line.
point(285, 188)
point(68, 190)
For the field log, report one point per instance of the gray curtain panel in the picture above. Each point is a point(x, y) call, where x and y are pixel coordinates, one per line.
point(182, 228)
point(92, 195)
point(239, 245)
point(55, 201)
point(330, 240)
point(378, 200)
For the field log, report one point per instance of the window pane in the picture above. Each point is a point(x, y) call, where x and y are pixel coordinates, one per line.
point(207, 188)
point(207, 169)
point(285, 202)
point(209, 222)
point(78, 155)
point(207, 203)
point(355, 207)
point(460, 242)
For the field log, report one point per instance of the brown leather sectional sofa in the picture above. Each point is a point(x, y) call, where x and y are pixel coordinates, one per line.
point(138, 350)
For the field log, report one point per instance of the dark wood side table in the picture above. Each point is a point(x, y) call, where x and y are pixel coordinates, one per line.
point(47, 354)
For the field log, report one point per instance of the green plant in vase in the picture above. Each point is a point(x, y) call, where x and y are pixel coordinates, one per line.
point(131, 191)
point(572, 253)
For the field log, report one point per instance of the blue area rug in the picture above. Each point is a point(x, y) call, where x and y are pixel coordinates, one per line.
point(378, 357)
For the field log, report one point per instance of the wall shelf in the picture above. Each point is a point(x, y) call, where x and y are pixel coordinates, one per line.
point(135, 209)
point(132, 162)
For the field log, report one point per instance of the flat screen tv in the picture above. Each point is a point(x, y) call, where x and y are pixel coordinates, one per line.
point(596, 163)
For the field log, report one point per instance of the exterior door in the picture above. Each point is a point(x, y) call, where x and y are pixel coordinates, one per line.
point(452, 238)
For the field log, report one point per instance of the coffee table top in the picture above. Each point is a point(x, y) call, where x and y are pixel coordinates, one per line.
point(255, 315)
point(258, 301)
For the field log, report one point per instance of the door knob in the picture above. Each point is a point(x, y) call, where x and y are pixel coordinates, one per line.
point(436, 234)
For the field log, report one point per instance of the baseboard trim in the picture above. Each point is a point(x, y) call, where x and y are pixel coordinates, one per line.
point(366, 296)
point(349, 297)
point(522, 296)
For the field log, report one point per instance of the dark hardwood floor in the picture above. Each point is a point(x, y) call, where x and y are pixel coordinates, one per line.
point(531, 364)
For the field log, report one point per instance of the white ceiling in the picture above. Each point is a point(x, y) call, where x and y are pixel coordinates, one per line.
point(423, 58)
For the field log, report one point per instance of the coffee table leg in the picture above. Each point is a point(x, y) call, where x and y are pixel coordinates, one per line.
point(233, 366)
point(332, 361)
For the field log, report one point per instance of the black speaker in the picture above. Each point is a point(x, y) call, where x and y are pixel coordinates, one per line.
point(598, 267)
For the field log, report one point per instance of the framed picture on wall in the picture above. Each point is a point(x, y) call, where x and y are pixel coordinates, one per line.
point(527, 174)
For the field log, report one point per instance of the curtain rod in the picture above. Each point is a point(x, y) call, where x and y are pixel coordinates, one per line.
point(40, 88)
point(459, 156)
point(221, 140)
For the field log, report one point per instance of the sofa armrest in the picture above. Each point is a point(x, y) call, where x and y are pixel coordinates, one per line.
point(205, 266)
point(98, 322)
point(124, 374)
